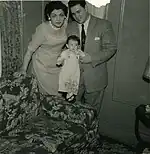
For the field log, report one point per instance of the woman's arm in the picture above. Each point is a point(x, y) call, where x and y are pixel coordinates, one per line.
point(61, 58)
point(37, 40)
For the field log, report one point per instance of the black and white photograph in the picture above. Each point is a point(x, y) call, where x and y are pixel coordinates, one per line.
point(74, 77)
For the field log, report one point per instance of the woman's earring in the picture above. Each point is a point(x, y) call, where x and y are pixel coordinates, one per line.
point(49, 19)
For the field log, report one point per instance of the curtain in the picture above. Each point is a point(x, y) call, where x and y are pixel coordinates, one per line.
point(100, 12)
point(11, 36)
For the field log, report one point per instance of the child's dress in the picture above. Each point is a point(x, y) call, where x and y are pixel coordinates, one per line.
point(70, 73)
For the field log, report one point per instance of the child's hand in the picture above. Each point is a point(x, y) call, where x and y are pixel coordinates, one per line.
point(80, 53)
point(86, 59)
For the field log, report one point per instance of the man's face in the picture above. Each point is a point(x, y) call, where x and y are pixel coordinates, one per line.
point(79, 13)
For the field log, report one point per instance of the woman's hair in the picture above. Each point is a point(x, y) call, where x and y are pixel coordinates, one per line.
point(72, 3)
point(74, 38)
point(52, 5)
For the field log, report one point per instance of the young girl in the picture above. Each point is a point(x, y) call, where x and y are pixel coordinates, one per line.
point(70, 73)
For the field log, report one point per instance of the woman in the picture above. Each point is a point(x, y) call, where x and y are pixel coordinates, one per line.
point(45, 47)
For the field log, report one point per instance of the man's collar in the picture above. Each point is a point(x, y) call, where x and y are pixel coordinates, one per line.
point(87, 21)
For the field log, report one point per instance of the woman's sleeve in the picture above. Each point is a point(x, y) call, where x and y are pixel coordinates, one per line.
point(37, 39)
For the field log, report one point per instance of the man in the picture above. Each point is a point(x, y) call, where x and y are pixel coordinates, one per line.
point(99, 45)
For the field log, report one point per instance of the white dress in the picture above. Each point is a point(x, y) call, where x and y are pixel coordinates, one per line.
point(70, 73)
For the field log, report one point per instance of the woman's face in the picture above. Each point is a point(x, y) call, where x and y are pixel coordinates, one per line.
point(57, 18)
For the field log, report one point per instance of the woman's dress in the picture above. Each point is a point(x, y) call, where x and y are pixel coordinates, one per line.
point(46, 45)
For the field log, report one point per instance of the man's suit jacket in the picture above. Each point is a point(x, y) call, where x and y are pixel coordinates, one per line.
point(100, 44)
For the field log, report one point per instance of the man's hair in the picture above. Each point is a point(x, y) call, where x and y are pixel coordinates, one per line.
point(74, 38)
point(72, 3)
point(52, 5)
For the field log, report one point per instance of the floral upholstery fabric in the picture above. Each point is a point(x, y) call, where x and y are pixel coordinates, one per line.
point(31, 122)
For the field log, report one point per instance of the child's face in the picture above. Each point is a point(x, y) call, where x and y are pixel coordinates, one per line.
point(72, 45)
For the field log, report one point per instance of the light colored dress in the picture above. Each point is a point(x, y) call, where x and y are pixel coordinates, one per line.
point(70, 73)
point(46, 45)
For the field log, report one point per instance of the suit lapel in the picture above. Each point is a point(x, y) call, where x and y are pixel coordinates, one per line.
point(91, 25)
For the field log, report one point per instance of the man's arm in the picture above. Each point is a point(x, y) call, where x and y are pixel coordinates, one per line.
point(108, 46)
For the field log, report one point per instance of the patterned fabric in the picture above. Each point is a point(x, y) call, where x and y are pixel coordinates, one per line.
point(11, 32)
point(72, 86)
point(31, 121)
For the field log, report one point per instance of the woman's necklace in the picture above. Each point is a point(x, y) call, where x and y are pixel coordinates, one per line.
point(53, 26)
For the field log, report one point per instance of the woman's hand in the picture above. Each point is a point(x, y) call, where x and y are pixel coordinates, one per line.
point(60, 62)
point(21, 72)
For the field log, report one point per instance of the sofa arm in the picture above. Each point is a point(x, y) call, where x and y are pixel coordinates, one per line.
point(18, 103)
point(58, 108)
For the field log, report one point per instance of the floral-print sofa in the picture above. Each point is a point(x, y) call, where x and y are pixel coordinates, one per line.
point(31, 122)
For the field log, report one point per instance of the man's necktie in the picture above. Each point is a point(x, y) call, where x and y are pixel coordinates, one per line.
point(83, 37)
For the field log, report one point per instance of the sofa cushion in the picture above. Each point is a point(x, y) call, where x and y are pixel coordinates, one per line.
point(30, 121)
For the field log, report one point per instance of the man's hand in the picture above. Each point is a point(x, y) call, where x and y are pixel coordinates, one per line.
point(86, 59)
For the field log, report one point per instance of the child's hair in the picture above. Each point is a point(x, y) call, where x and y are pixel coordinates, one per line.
point(74, 38)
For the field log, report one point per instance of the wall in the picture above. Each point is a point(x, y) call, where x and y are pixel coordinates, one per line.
point(126, 88)
point(32, 18)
